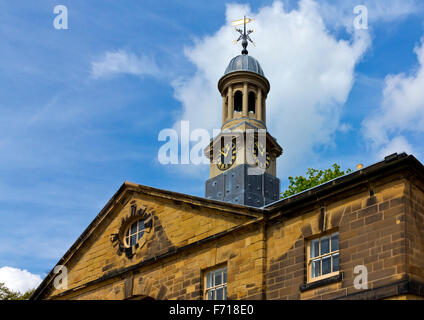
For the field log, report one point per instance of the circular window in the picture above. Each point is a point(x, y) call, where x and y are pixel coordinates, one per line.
point(134, 233)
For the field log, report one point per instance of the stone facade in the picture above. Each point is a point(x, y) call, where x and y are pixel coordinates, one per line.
point(371, 232)
point(378, 212)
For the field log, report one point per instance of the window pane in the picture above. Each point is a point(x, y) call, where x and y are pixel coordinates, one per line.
point(140, 225)
point(335, 242)
point(219, 293)
point(209, 280)
point(134, 227)
point(335, 262)
point(326, 265)
point(140, 234)
point(314, 248)
point(210, 295)
point(133, 240)
point(325, 245)
point(225, 293)
point(218, 277)
point(316, 268)
point(225, 276)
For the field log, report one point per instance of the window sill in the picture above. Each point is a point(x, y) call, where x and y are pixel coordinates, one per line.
point(320, 283)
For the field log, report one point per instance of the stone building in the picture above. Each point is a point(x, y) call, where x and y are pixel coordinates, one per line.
point(241, 241)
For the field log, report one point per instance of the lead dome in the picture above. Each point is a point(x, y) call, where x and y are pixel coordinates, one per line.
point(244, 62)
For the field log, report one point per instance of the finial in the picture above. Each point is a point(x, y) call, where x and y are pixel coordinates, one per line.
point(244, 35)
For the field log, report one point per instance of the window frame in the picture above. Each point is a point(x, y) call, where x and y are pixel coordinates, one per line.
point(128, 234)
point(214, 287)
point(320, 256)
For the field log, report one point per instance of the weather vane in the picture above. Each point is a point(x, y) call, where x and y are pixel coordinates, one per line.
point(244, 35)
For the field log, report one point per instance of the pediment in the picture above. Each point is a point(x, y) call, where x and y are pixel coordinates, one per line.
point(169, 221)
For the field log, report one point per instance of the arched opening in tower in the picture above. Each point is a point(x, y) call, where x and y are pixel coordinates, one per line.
point(238, 101)
point(251, 102)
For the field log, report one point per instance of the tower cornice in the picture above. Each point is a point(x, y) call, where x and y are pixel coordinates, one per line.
point(252, 77)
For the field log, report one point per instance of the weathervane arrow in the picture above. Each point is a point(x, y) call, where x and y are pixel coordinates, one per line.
point(244, 35)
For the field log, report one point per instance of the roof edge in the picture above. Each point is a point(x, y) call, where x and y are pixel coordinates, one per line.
point(327, 189)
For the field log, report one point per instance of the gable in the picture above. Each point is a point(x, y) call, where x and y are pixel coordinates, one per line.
point(171, 222)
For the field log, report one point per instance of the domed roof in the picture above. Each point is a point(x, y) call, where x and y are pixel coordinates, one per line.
point(244, 62)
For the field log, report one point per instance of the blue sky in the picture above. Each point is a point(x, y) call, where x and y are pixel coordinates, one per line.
point(81, 109)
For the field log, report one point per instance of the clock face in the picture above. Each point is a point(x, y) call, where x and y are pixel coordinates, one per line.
point(227, 156)
point(261, 156)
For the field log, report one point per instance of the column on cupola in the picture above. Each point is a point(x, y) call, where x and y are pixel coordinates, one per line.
point(230, 103)
point(224, 108)
point(259, 105)
point(245, 94)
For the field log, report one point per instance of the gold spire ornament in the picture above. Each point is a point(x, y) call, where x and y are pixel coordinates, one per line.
point(244, 35)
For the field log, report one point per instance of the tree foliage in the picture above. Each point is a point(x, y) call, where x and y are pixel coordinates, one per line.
point(313, 178)
point(7, 294)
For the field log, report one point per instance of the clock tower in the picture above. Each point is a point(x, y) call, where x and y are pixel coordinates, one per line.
point(243, 155)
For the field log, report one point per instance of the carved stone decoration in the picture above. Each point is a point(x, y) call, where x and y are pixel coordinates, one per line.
point(118, 238)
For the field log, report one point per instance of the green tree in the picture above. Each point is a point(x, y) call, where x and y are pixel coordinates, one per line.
point(313, 178)
point(7, 294)
point(26, 294)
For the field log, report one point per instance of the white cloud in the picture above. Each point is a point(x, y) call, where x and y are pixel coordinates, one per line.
point(116, 62)
point(345, 128)
point(310, 71)
point(398, 144)
point(19, 280)
point(401, 111)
